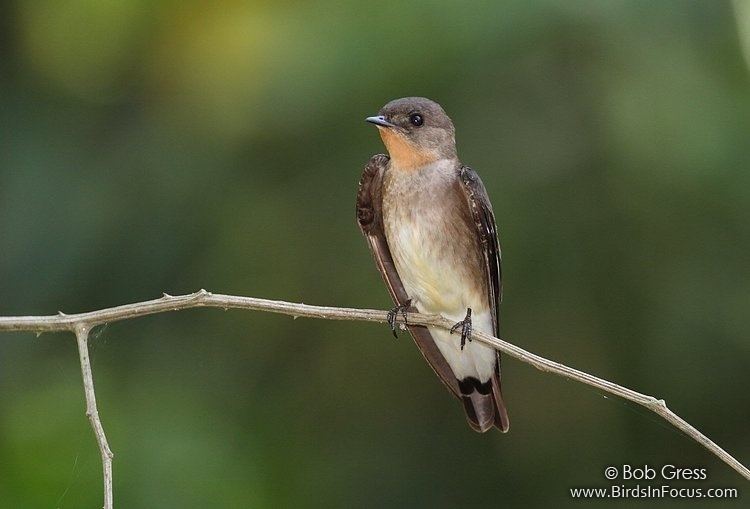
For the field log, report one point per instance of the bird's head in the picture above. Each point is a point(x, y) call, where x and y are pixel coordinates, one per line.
point(416, 131)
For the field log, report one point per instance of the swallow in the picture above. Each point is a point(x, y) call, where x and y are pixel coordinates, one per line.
point(429, 224)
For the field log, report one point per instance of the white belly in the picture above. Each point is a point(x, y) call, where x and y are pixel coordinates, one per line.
point(476, 359)
point(438, 280)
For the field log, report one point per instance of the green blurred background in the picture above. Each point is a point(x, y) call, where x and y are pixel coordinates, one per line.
point(150, 147)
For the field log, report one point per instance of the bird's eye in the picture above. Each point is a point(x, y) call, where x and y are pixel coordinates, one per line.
point(416, 119)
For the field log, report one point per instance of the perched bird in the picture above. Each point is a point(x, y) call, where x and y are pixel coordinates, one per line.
point(429, 223)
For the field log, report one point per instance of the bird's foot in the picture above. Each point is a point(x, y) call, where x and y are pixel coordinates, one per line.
point(465, 326)
point(393, 313)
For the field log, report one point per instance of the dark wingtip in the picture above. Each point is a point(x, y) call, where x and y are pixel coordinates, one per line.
point(501, 412)
point(501, 421)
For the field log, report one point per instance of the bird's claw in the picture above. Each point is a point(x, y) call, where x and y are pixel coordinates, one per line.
point(393, 313)
point(466, 328)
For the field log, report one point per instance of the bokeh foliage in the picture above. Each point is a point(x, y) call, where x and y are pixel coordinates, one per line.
point(169, 146)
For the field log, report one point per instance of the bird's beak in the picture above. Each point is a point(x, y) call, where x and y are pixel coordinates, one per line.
point(379, 121)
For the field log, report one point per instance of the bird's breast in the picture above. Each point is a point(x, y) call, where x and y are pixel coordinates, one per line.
point(432, 243)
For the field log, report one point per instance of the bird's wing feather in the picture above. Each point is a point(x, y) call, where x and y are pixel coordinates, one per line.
point(370, 219)
point(486, 228)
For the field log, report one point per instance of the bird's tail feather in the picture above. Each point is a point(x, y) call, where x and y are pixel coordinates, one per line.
point(484, 405)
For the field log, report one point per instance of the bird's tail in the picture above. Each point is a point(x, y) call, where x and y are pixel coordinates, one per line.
point(484, 405)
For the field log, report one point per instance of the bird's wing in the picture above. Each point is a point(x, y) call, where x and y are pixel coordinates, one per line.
point(486, 228)
point(370, 219)
point(484, 221)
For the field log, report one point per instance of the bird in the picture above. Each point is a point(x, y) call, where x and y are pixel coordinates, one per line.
point(428, 221)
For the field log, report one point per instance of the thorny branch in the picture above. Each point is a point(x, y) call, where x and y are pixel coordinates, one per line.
point(82, 337)
point(80, 324)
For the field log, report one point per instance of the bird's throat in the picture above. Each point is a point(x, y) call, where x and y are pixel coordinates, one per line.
point(405, 155)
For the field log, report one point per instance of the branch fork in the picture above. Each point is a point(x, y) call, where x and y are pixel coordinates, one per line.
point(81, 324)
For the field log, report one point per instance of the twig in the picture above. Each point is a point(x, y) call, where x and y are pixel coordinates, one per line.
point(82, 337)
point(202, 298)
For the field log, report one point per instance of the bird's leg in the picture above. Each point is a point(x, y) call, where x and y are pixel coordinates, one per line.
point(465, 325)
point(393, 313)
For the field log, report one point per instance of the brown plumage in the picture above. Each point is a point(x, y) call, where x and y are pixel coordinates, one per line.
point(429, 224)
